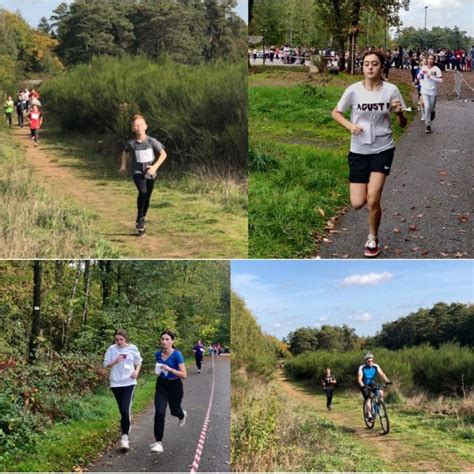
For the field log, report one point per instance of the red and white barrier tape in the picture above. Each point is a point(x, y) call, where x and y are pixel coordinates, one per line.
point(202, 437)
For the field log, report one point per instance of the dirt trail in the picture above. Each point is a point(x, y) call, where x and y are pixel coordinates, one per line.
point(400, 450)
point(113, 209)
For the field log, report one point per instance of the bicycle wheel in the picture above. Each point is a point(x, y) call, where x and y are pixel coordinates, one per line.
point(368, 423)
point(384, 418)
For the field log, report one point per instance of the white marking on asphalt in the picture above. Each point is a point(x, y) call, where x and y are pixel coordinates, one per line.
point(202, 437)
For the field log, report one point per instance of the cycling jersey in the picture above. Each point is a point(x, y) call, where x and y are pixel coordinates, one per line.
point(368, 373)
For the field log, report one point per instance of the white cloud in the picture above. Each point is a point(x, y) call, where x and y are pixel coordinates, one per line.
point(323, 318)
point(367, 280)
point(243, 279)
point(277, 325)
point(364, 317)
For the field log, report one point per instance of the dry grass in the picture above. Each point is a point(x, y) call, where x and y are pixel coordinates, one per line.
point(34, 224)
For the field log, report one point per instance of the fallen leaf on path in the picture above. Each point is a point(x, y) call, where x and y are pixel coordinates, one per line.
point(425, 252)
point(415, 249)
point(459, 255)
point(444, 254)
point(396, 230)
point(398, 251)
point(395, 214)
point(334, 231)
point(346, 255)
point(419, 215)
point(326, 240)
point(413, 228)
point(321, 211)
point(412, 208)
point(404, 220)
point(442, 173)
point(463, 219)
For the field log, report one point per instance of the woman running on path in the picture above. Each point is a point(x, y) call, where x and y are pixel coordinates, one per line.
point(169, 387)
point(125, 361)
point(35, 119)
point(147, 155)
point(329, 383)
point(429, 76)
point(198, 350)
point(372, 147)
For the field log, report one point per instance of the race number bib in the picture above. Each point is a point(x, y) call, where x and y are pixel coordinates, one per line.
point(145, 156)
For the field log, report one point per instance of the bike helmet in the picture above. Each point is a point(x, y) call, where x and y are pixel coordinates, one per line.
point(368, 355)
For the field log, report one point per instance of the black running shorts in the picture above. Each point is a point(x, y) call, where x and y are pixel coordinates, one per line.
point(360, 166)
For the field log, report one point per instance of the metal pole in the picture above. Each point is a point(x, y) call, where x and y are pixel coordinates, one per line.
point(426, 41)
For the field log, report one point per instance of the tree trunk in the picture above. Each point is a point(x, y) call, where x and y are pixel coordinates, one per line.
point(106, 267)
point(67, 325)
point(87, 284)
point(36, 325)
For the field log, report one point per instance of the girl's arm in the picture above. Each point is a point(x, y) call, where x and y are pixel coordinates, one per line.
point(340, 119)
point(137, 371)
point(123, 163)
point(180, 372)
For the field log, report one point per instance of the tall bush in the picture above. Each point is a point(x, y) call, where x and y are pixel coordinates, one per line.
point(199, 113)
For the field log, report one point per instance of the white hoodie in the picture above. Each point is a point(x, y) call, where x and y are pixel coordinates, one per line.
point(120, 374)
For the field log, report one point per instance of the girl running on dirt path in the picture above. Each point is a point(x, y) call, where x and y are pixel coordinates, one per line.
point(429, 76)
point(8, 108)
point(125, 361)
point(169, 387)
point(35, 119)
point(372, 147)
point(329, 382)
point(147, 155)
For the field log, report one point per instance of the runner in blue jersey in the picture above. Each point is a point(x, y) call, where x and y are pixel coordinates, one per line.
point(171, 370)
point(366, 376)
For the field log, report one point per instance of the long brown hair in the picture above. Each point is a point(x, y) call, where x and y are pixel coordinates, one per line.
point(121, 332)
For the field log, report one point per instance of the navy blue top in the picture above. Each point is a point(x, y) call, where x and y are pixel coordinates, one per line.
point(172, 361)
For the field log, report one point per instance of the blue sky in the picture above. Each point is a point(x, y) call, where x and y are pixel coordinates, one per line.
point(285, 295)
point(33, 10)
point(447, 13)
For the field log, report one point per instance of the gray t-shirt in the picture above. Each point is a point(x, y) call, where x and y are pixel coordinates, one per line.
point(371, 110)
point(143, 154)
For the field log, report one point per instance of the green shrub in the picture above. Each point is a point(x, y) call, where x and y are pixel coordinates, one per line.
point(199, 113)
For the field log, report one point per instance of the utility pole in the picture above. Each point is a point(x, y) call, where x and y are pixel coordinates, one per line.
point(426, 40)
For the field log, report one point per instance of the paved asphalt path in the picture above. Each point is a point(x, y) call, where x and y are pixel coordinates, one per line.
point(180, 443)
point(427, 198)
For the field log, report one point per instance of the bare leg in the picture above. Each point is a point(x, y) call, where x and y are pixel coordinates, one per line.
point(358, 192)
point(374, 194)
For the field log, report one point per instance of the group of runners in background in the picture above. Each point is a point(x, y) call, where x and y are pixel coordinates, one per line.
point(28, 107)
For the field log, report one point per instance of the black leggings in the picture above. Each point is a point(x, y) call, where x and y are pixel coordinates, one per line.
point(145, 189)
point(167, 392)
point(21, 117)
point(329, 392)
point(124, 397)
point(9, 118)
point(198, 362)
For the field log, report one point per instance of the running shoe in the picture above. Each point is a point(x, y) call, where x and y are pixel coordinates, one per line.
point(156, 447)
point(422, 118)
point(372, 248)
point(140, 226)
point(182, 422)
point(433, 115)
point(428, 129)
point(124, 444)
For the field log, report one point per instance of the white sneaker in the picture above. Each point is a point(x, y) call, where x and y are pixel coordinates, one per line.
point(182, 422)
point(124, 444)
point(156, 447)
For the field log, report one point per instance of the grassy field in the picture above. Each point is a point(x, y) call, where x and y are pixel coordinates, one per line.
point(424, 436)
point(68, 446)
point(34, 222)
point(297, 159)
point(190, 216)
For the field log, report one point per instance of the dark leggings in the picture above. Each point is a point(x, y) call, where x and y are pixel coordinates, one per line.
point(145, 189)
point(198, 362)
point(167, 392)
point(9, 118)
point(329, 392)
point(124, 397)
point(21, 118)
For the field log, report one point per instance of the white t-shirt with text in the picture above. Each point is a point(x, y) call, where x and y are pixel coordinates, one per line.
point(370, 110)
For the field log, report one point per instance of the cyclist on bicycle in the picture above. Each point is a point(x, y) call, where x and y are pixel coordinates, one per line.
point(365, 378)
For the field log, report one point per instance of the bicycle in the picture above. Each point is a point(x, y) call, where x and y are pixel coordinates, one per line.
point(379, 410)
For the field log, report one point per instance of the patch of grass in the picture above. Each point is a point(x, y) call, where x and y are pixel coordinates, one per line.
point(274, 433)
point(297, 156)
point(77, 443)
point(34, 224)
